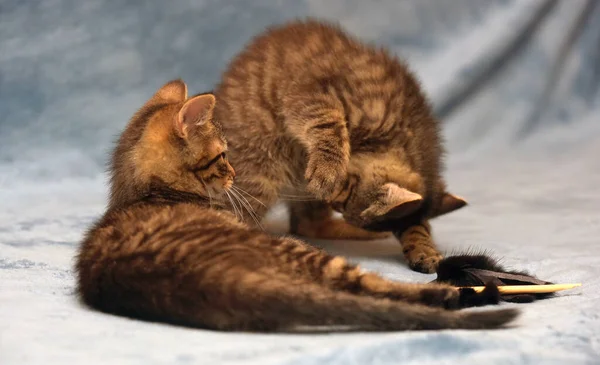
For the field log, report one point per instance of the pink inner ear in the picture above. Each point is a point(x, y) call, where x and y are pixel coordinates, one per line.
point(396, 203)
point(195, 112)
point(403, 209)
point(400, 201)
point(198, 110)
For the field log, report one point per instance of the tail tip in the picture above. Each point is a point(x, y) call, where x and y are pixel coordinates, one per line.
point(492, 319)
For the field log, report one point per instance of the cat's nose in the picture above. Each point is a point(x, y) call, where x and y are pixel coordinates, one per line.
point(232, 171)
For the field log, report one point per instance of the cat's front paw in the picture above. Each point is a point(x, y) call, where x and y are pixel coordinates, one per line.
point(325, 176)
point(423, 259)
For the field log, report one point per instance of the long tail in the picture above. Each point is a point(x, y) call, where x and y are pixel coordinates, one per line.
point(282, 309)
point(254, 301)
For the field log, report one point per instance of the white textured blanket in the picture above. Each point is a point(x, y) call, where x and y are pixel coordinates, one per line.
point(516, 83)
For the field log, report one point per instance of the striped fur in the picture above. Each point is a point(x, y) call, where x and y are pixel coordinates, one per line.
point(312, 113)
point(166, 251)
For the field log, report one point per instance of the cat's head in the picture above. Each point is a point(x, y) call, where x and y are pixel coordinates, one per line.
point(379, 190)
point(172, 141)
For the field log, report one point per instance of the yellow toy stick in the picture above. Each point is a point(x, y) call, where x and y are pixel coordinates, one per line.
point(528, 289)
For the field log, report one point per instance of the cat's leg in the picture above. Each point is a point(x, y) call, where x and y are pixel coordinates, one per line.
point(338, 274)
point(316, 119)
point(314, 219)
point(419, 249)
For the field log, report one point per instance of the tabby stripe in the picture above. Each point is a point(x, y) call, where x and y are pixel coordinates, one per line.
point(285, 249)
point(301, 255)
point(315, 114)
point(208, 257)
point(328, 150)
point(351, 284)
point(408, 248)
point(346, 108)
point(324, 125)
point(350, 192)
point(419, 233)
point(323, 262)
point(310, 261)
point(263, 100)
point(422, 242)
point(379, 131)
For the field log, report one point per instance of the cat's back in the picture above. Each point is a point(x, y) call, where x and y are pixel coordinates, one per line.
point(152, 235)
point(254, 85)
point(142, 227)
point(381, 97)
point(304, 50)
point(150, 219)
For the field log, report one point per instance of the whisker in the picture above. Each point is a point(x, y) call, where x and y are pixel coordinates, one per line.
point(235, 209)
point(228, 197)
point(238, 206)
point(298, 200)
point(244, 203)
point(245, 206)
point(240, 197)
point(296, 183)
point(248, 194)
point(295, 196)
point(208, 191)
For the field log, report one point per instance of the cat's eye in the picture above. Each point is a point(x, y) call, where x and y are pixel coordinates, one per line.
point(221, 156)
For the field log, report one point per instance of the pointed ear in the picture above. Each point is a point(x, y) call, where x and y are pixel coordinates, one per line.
point(450, 203)
point(394, 202)
point(174, 91)
point(195, 112)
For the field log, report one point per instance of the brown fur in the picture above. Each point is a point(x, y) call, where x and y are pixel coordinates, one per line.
point(311, 112)
point(164, 251)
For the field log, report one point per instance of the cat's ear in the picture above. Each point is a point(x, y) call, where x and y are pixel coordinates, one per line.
point(393, 202)
point(174, 91)
point(194, 113)
point(449, 203)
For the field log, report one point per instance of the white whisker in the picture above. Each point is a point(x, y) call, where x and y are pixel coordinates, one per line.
point(240, 197)
point(237, 206)
point(250, 209)
point(248, 194)
point(235, 210)
point(244, 203)
point(208, 192)
point(298, 200)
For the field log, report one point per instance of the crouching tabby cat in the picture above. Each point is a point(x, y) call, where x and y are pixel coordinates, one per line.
point(312, 112)
point(162, 252)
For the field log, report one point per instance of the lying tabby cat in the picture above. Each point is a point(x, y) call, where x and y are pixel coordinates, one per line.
point(313, 113)
point(162, 253)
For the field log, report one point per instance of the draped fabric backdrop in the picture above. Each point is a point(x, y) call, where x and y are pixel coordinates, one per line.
point(516, 84)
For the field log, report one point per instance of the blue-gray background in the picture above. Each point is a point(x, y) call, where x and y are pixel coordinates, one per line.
point(516, 84)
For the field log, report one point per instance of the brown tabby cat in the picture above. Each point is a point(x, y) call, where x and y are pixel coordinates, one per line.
point(312, 112)
point(162, 253)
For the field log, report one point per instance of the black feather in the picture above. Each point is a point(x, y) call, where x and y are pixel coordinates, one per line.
point(481, 269)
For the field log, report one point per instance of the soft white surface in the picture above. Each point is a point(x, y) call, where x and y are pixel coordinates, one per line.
point(72, 72)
